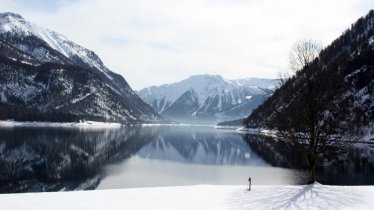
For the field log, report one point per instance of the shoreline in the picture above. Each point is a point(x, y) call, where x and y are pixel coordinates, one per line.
point(11, 123)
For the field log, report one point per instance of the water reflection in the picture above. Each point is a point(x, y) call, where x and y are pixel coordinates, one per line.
point(353, 167)
point(200, 146)
point(51, 159)
point(191, 156)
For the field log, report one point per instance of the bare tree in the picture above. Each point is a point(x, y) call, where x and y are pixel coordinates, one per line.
point(303, 53)
point(283, 76)
point(310, 117)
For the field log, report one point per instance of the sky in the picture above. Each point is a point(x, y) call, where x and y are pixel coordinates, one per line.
point(153, 42)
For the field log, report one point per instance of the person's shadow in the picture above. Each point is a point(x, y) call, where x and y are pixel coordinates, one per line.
point(314, 196)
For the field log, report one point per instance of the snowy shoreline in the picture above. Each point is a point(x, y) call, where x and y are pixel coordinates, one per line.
point(177, 124)
point(12, 123)
point(96, 124)
point(367, 137)
point(216, 197)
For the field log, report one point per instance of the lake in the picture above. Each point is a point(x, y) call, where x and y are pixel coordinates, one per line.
point(49, 159)
point(181, 155)
point(53, 159)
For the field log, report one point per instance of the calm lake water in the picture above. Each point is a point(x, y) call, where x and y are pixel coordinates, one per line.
point(191, 156)
point(53, 159)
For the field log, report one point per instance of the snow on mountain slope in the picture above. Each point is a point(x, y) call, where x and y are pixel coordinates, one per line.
point(45, 75)
point(15, 54)
point(49, 46)
point(203, 85)
point(256, 82)
point(213, 96)
point(14, 25)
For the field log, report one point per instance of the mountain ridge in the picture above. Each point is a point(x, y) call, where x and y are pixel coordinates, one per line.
point(56, 75)
point(351, 57)
point(213, 98)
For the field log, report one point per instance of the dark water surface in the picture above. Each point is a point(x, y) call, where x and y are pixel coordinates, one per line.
point(52, 159)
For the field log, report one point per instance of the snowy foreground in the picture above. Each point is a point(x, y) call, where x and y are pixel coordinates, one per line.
point(199, 197)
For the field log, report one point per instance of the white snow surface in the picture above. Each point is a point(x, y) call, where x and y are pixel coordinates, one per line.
point(205, 197)
point(10, 123)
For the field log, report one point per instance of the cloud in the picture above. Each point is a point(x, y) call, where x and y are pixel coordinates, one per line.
point(43, 5)
point(155, 42)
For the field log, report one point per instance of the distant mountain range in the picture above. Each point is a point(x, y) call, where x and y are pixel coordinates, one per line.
point(45, 76)
point(208, 99)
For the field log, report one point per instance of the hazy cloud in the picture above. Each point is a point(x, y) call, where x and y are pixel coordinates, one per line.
point(154, 42)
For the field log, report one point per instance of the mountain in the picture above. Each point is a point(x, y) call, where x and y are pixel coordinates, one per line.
point(208, 98)
point(45, 76)
point(345, 70)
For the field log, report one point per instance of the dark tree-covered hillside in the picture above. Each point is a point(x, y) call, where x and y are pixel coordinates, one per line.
point(346, 68)
point(324, 107)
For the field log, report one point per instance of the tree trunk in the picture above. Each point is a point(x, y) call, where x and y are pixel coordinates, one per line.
point(312, 172)
point(311, 176)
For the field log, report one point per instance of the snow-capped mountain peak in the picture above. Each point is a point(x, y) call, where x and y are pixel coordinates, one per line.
point(43, 72)
point(215, 95)
point(204, 86)
point(11, 22)
point(15, 25)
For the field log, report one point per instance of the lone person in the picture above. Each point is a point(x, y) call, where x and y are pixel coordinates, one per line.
point(249, 184)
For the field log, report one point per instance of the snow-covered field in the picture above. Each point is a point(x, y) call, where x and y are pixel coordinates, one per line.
point(10, 123)
point(199, 197)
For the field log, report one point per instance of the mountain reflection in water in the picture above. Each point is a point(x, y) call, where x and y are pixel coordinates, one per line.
point(53, 159)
